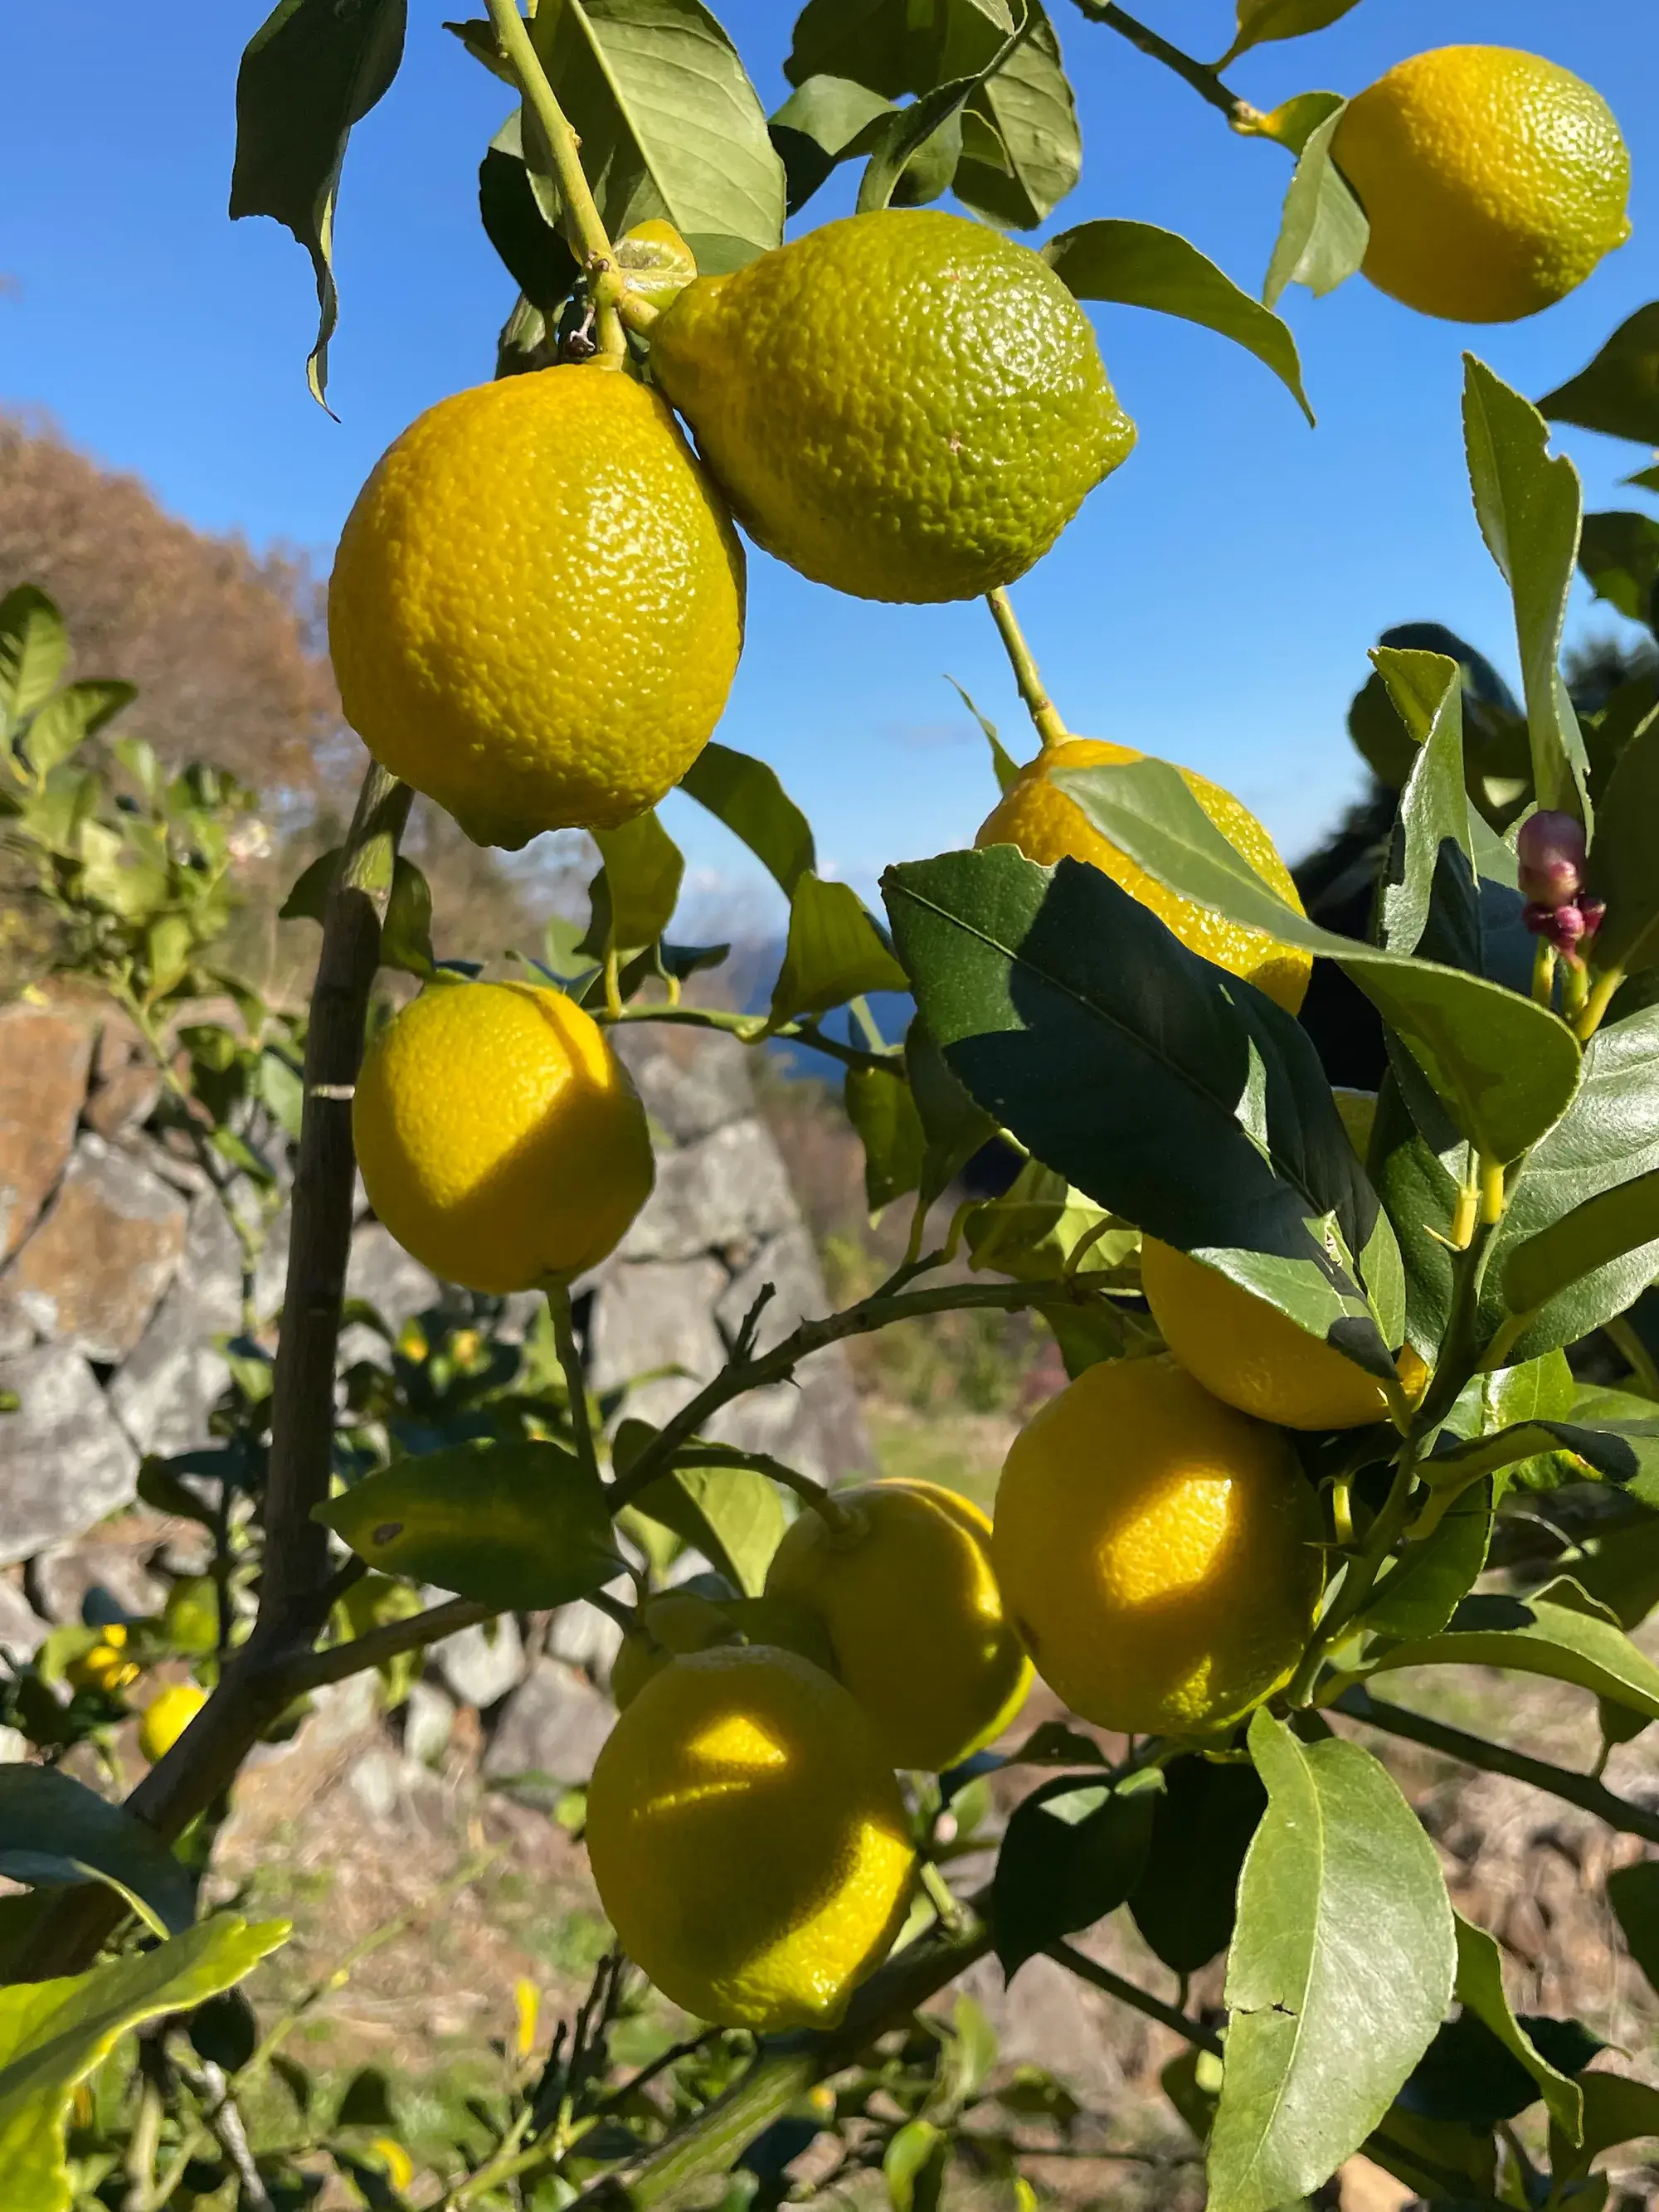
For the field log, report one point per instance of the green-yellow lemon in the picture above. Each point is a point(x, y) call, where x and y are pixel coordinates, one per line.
point(749, 1841)
point(166, 1716)
point(904, 405)
point(901, 1576)
point(679, 1621)
point(500, 1138)
point(1159, 1550)
point(536, 606)
point(1047, 825)
point(1493, 180)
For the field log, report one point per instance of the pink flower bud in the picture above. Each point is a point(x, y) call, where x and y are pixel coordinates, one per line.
point(1592, 909)
point(1550, 849)
point(1538, 918)
point(1568, 927)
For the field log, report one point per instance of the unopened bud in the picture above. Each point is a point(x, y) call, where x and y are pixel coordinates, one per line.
point(1550, 851)
point(1592, 910)
point(1569, 928)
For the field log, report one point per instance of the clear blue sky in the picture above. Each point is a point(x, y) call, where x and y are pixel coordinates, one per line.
point(1213, 602)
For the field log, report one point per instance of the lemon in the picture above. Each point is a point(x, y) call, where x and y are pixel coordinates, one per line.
point(536, 606)
point(106, 1665)
point(749, 1841)
point(189, 1619)
point(904, 1583)
point(1248, 1353)
point(906, 405)
point(1494, 181)
point(1158, 1550)
point(1048, 826)
point(681, 1621)
point(166, 1716)
point(500, 1138)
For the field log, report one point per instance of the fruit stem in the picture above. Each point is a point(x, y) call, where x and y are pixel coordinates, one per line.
point(1038, 705)
point(1202, 78)
point(952, 1916)
point(1596, 1006)
point(1543, 972)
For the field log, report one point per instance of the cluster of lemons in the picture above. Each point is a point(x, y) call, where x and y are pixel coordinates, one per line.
point(188, 1626)
point(535, 617)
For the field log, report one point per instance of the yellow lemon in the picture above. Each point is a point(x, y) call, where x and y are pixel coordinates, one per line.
point(536, 606)
point(904, 405)
point(500, 1138)
point(1158, 1551)
point(1248, 1353)
point(680, 1621)
point(749, 1841)
point(1494, 181)
point(904, 1583)
point(106, 1665)
point(1048, 826)
point(166, 1716)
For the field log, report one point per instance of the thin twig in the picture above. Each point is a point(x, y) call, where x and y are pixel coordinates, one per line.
point(315, 1669)
point(1103, 1978)
point(1203, 79)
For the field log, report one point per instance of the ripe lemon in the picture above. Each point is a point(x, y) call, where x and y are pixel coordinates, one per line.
point(906, 406)
point(1248, 1353)
point(749, 1841)
point(681, 1621)
point(1048, 826)
point(106, 1665)
point(166, 1716)
point(905, 1586)
point(500, 1138)
point(536, 606)
point(1158, 1550)
point(1493, 180)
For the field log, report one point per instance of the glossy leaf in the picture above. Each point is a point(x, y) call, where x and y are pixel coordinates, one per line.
point(1601, 1230)
point(1294, 121)
point(518, 1527)
point(1619, 392)
point(1481, 1992)
point(1322, 232)
point(1504, 1068)
point(634, 893)
point(1177, 1098)
point(1022, 151)
point(1557, 1631)
point(406, 933)
point(746, 794)
point(732, 1515)
point(53, 2034)
point(1138, 265)
point(1618, 553)
point(1625, 1452)
point(1425, 1587)
point(1633, 1894)
point(1529, 504)
point(1622, 869)
point(1260, 21)
point(311, 70)
point(826, 120)
point(1430, 865)
point(1340, 1970)
point(671, 127)
point(1071, 1852)
point(1031, 1230)
point(521, 220)
point(905, 137)
point(1185, 1901)
point(53, 1830)
point(881, 1108)
point(34, 652)
point(833, 953)
point(1623, 1571)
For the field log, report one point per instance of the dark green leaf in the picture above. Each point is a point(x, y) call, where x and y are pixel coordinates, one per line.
point(1431, 1578)
point(634, 893)
point(1432, 864)
point(1260, 21)
point(1138, 265)
point(1530, 505)
point(915, 152)
point(1616, 2110)
point(1622, 869)
point(1071, 1852)
point(1340, 1970)
point(1481, 1992)
point(34, 652)
point(1633, 1894)
point(1504, 1068)
point(519, 1527)
point(54, 1830)
point(70, 717)
point(366, 2101)
point(825, 121)
point(1185, 1901)
point(1004, 766)
point(746, 794)
point(1178, 1097)
point(1468, 2078)
point(1323, 232)
point(1623, 1570)
point(1602, 1230)
point(881, 1109)
point(835, 952)
point(224, 2031)
point(732, 1515)
point(1619, 392)
point(406, 933)
point(1556, 1632)
point(953, 1127)
point(1619, 554)
point(312, 70)
point(1021, 149)
point(519, 225)
point(308, 897)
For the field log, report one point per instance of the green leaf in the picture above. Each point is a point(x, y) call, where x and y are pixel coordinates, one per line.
point(634, 893)
point(34, 652)
point(1431, 1578)
point(54, 1830)
point(53, 2034)
point(1603, 1228)
point(1261, 21)
point(826, 120)
point(366, 2101)
point(1004, 766)
point(70, 717)
point(1619, 392)
point(1480, 1991)
point(1032, 1229)
point(1340, 1970)
point(881, 1108)
point(307, 897)
point(406, 933)
point(1178, 1098)
point(1071, 1852)
point(1558, 1631)
point(670, 125)
point(520, 221)
point(312, 70)
point(1022, 150)
point(1616, 2110)
point(1185, 1901)
point(835, 952)
point(519, 1527)
point(912, 2165)
point(1618, 553)
point(1633, 1894)
point(746, 794)
point(1322, 232)
point(1623, 1572)
point(732, 1515)
point(1529, 504)
point(953, 1125)
point(1622, 869)
point(1504, 1067)
point(1625, 1452)
point(1138, 265)
point(1432, 852)
point(918, 146)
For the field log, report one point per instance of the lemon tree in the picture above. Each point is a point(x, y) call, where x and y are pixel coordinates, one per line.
point(1317, 1346)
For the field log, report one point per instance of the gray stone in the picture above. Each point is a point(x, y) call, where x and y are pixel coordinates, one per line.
point(382, 1274)
point(44, 1053)
point(271, 1269)
point(63, 1576)
point(554, 1724)
point(376, 1779)
point(211, 1268)
point(21, 1629)
point(17, 1331)
point(14, 1747)
point(480, 1664)
point(790, 1265)
point(646, 1317)
point(428, 1723)
point(584, 1637)
point(97, 1267)
point(163, 1395)
point(692, 1082)
point(727, 1193)
point(125, 1081)
point(69, 1462)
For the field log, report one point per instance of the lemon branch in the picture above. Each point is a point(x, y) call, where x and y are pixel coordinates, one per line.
point(1203, 79)
point(1038, 705)
point(754, 1029)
